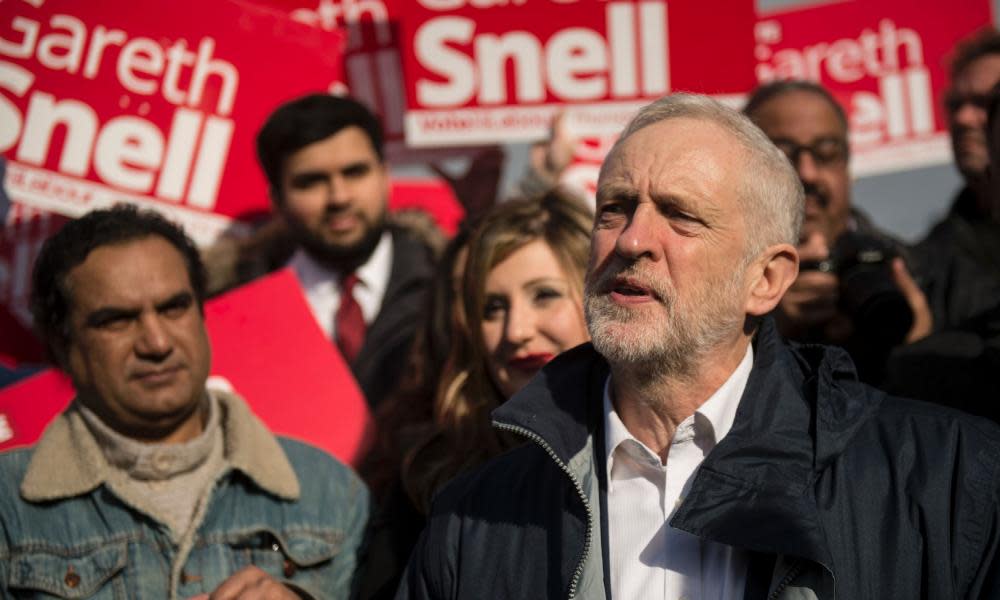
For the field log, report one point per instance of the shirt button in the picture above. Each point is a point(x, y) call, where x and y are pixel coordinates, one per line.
point(72, 579)
point(162, 463)
point(289, 568)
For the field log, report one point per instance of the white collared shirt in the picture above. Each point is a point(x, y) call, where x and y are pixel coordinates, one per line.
point(648, 558)
point(321, 285)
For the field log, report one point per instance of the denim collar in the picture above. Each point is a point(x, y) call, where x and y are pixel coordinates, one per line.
point(68, 462)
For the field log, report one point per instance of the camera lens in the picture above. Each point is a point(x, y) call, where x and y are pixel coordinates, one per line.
point(867, 290)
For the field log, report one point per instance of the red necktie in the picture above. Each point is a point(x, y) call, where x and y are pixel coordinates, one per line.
point(349, 321)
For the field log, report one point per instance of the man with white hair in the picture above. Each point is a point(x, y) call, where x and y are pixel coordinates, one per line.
point(688, 452)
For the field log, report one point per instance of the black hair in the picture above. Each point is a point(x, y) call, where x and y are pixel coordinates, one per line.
point(980, 44)
point(774, 89)
point(70, 246)
point(307, 120)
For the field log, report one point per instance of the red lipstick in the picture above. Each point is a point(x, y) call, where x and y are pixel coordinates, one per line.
point(530, 362)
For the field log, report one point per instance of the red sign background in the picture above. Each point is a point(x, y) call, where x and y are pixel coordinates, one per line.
point(501, 72)
point(885, 60)
point(153, 103)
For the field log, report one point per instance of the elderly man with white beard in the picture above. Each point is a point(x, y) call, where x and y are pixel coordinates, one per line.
point(688, 451)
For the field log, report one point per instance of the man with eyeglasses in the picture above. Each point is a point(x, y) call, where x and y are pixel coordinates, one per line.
point(826, 304)
point(960, 258)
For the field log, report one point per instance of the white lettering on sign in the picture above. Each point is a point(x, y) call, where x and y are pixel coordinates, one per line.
point(128, 152)
point(139, 57)
point(6, 432)
point(331, 16)
point(574, 64)
point(872, 54)
point(902, 108)
point(456, 4)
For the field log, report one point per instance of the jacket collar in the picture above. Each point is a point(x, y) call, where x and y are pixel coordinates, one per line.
point(68, 462)
point(563, 404)
point(411, 265)
point(410, 272)
point(801, 408)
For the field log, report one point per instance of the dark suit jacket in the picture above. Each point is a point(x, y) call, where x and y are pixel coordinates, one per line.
point(379, 364)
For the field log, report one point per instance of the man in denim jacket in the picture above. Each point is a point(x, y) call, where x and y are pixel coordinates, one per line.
point(149, 485)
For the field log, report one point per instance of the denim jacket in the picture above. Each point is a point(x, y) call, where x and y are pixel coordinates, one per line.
point(281, 505)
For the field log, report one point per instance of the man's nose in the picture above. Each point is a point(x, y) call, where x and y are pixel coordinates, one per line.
point(969, 115)
point(639, 237)
point(806, 167)
point(338, 192)
point(154, 340)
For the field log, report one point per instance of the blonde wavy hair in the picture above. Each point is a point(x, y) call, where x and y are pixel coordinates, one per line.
point(461, 435)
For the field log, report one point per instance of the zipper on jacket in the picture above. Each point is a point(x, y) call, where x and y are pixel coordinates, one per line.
point(792, 574)
point(575, 581)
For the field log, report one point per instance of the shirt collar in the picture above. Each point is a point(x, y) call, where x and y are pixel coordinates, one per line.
point(373, 276)
point(375, 273)
point(714, 417)
point(67, 461)
point(146, 460)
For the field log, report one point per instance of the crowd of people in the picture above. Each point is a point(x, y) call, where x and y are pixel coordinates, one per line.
point(694, 390)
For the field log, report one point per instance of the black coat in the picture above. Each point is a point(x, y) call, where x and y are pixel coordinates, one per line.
point(959, 263)
point(957, 365)
point(379, 365)
point(830, 484)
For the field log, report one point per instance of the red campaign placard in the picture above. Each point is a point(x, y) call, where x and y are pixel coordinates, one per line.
point(155, 103)
point(483, 72)
point(886, 61)
point(21, 238)
point(433, 196)
point(267, 347)
point(373, 66)
point(372, 69)
point(581, 174)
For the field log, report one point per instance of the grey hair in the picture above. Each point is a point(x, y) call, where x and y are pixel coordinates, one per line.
point(772, 195)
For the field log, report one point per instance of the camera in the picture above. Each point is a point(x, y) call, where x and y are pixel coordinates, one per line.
point(868, 293)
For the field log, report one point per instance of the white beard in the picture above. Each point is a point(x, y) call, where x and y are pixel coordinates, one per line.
point(667, 338)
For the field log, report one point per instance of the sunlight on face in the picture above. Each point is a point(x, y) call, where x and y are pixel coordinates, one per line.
point(532, 312)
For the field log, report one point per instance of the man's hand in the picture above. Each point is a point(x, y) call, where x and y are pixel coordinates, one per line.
point(477, 188)
point(811, 301)
point(250, 583)
point(551, 157)
point(923, 322)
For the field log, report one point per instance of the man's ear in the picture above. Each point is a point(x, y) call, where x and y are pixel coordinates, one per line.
point(275, 195)
point(773, 272)
point(57, 349)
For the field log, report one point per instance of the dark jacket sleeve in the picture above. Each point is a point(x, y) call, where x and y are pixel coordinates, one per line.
point(433, 568)
point(428, 573)
point(986, 576)
point(987, 580)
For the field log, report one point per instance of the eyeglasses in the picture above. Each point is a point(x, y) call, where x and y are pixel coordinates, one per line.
point(824, 151)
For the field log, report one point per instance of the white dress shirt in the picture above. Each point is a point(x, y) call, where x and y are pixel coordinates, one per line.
point(648, 558)
point(322, 286)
